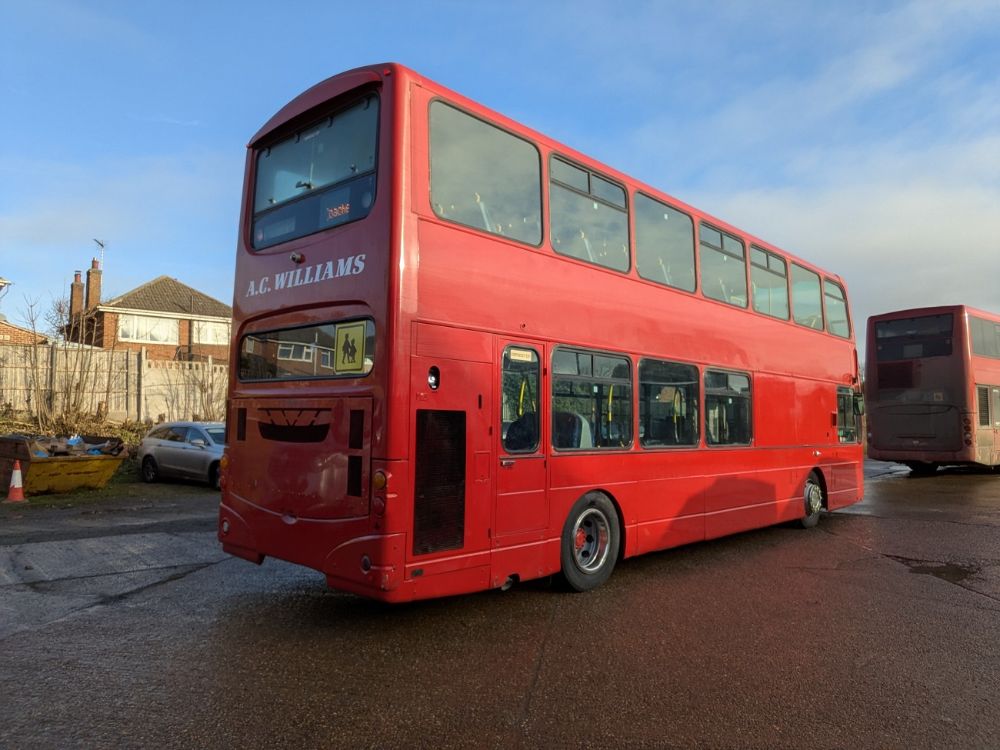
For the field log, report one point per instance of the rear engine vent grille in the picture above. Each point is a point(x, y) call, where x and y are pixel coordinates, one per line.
point(356, 438)
point(294, 425)
point(241, 424)
point(439, 492)
point(983, 392)
point(354, 466)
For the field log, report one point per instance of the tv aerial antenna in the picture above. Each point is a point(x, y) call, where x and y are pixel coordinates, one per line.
point(101, 244)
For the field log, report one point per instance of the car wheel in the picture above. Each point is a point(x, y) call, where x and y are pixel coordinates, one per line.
point(150, 471)
point(590, 542)
point(214, 475)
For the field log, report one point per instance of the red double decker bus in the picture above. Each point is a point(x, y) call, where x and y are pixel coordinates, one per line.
point(466, 355)
point(932, 385)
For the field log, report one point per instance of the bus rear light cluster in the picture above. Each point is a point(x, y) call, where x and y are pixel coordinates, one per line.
point(223, 471)
point(379, 482)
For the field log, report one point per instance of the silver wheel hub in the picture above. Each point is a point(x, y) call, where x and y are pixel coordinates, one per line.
point(814, 498)
point(591, 540)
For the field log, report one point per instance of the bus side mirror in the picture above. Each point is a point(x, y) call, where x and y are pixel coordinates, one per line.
point(859, 404)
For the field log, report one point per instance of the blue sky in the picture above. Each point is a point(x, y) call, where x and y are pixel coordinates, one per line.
point(863, 136)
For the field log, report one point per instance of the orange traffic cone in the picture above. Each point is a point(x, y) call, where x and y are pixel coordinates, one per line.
point(16, 492)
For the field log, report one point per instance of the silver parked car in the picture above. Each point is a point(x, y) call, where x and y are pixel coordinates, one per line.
point(186, 450)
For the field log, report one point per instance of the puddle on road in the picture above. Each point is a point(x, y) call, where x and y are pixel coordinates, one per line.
point(950, 572)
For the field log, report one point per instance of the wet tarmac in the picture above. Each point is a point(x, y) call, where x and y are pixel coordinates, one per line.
point(879, 628)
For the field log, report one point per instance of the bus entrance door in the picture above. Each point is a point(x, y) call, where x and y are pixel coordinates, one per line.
point(522, 512)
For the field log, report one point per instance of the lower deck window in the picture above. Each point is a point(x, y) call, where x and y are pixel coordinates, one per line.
point(727, 408)
point(668, 404)
point(591, 400)
point(847, 417)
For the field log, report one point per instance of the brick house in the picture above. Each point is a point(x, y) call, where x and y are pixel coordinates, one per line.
point(168, 319)
point(12, 334)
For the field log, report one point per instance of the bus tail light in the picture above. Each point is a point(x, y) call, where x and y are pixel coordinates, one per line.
point(380, 481)
point(223, 470)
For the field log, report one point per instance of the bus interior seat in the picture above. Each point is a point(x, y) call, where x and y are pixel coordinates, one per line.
point(570, 430)
point(522, 433)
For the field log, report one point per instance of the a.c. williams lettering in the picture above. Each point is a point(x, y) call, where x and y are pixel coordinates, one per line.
point(352, 265)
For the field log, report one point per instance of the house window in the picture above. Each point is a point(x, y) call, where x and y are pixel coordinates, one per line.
point(215, 334)
point(296, 352)
point(144, 329)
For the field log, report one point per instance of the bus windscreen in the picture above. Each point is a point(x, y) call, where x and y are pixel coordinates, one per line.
point(321, 177)
point(914, 338)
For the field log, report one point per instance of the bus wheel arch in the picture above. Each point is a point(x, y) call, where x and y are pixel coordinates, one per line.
point(591, 541)
point(814, 498)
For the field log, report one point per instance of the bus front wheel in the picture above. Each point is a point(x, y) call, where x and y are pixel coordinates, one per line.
point(590, 541)
point(812, 495)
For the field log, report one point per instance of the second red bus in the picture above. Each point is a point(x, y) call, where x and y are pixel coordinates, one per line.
point(933, 387)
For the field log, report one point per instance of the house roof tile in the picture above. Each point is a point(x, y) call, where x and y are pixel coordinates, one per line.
point(168, 295)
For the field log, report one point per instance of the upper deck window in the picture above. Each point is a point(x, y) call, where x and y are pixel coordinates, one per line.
point(723, 267)
point(913, 338)
point(588, 216)
point(484, 177)
point(769, 277)
point(664, 244)
point(321, 177)
point(985, 337)
point(807, 298)
point(837, 320)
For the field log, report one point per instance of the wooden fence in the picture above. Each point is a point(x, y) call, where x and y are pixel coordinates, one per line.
point(122, 385)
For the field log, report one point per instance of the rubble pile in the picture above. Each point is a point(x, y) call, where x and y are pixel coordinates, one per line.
point(75, 445)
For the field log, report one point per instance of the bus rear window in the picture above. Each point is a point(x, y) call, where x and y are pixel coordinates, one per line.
point(321, 177)
point(913, 338)
point(331, 350)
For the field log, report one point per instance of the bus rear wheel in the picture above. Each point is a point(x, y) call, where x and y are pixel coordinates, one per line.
point(812, 495)
point(922, 468)
point(590, 541)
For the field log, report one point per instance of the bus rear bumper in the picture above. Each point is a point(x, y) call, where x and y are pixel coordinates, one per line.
point(351, 558)
point(235, 535)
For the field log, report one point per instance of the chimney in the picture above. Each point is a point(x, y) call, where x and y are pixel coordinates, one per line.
point(93, 286)
point(75, 297)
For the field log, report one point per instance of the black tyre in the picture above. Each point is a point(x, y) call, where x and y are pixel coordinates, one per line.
point(812, 497)
point(213, 477)
point(922, 468)
point(590, 541)
point(150, 471)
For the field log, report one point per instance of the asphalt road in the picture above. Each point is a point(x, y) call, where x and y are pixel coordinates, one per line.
point(125, 626)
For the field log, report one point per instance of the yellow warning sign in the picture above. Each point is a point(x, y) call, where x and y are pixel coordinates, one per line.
point(349, 355)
